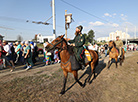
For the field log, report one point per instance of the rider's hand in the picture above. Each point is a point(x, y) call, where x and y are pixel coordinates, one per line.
point(25, 56)
point(67, 39)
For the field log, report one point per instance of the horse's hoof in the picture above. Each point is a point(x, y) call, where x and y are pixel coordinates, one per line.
point(62, 92)
point(83, 86)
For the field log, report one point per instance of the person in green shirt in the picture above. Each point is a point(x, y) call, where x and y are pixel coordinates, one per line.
point(18, 52)
point(28, 56)
point(78, 42)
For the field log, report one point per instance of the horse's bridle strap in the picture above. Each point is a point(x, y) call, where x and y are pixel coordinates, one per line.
point(56, 44)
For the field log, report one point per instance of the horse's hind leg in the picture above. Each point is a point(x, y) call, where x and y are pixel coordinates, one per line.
point(92, 72)
point(76, 78)
point(121, 60)
point(64, 82)
point(116, 62)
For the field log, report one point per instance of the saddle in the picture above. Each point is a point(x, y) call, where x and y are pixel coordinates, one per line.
point(75, 63)
point(74, 60)
point(119, 51)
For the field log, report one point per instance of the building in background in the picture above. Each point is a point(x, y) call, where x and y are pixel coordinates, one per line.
point(103, 39)
point(40, 38)
point(112, 36)
point(122, 35)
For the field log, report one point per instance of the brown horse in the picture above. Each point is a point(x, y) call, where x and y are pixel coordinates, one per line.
point(62, 45)
point(113, 54)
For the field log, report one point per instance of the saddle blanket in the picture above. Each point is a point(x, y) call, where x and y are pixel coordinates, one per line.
point(88, 57)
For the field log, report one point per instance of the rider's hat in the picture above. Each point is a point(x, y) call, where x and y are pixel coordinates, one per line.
point(80, 27)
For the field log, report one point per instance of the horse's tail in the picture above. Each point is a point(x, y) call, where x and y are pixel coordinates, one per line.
point(97, 59)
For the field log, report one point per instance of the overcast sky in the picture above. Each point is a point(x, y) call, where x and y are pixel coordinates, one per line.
point(102, 16)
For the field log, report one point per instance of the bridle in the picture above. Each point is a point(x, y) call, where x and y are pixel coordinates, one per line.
point(61, 48)
point(110, 48)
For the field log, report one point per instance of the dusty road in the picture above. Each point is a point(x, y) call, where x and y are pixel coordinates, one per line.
point(43, 83)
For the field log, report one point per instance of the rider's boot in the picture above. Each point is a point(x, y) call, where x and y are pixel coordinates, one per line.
point(82, 62)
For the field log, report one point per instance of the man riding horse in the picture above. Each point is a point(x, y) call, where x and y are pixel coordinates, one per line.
point(78, 43)
point(119, 45)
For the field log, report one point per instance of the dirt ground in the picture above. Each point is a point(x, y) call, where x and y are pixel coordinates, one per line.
point(44, 83)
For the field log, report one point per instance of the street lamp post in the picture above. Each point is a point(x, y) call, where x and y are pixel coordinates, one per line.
point(54, 18)
point(126, 36)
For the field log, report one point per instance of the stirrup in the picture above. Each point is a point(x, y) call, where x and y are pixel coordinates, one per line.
point(82, 67)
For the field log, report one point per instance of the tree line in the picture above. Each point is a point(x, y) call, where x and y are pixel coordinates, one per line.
point(89, 37)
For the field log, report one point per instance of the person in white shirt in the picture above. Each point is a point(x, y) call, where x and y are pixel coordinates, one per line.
point(6, 48)
point(95, 47)
point(90, 47)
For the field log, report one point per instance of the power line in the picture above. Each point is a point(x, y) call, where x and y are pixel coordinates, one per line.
point(85, 11)
point(2, 27)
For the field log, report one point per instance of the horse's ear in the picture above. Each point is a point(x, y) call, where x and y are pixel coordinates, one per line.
point(62, 36)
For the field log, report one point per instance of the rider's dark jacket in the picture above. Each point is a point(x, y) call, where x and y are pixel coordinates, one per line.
point(79, 41)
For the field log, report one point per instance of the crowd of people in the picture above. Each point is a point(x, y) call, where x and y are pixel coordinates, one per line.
point(51, 57)
point(104, 49)
point(24, 53)
point(18, 53)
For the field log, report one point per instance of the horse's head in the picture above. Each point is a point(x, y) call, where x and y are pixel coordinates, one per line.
point(57, 43)
point(111, 44)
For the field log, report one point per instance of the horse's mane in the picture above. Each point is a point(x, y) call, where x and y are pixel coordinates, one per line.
point(69, 48)
point(113, 43)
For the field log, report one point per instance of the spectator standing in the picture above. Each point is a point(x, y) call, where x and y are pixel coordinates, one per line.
point(13, 54)
point(28, 56)
point(22, 51)
point(105, 49)
point(95, 47)
point(33, 53)
point(18, 52)
point(56, 58)
point(90, 47)
point(8, 58)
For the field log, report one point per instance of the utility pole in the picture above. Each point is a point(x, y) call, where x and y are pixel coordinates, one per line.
point(65, 25)
point(68, 20)
point(54, 19)
point(126, 35)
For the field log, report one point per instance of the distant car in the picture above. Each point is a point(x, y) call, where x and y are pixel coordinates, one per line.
point(40, 51)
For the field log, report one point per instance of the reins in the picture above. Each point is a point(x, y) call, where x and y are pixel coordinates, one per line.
point(61, 49)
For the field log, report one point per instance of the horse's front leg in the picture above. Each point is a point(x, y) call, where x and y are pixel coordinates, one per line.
point(109, 62)
point(76, 78)
point(64, 82)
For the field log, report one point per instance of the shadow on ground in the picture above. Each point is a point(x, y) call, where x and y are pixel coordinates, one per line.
point(98, 70)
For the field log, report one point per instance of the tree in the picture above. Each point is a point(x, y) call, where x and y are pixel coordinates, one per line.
point(86, 38)
point(35, 38)
point(19, 38)
point(91, 36)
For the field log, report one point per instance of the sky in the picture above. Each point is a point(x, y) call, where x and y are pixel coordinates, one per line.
point(102, 16)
